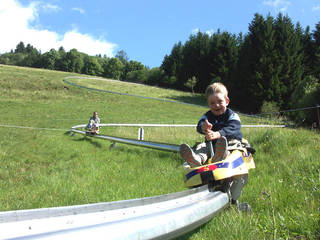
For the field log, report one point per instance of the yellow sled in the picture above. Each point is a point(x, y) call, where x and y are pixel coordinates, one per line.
point(238, 162)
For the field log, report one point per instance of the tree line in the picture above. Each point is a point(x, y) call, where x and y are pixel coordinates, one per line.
point(276, 65)
point(72, 61)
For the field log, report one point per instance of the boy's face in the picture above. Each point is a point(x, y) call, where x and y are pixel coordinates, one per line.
point(218, 103)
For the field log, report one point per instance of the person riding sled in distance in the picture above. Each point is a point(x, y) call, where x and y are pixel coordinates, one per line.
point(94, 122)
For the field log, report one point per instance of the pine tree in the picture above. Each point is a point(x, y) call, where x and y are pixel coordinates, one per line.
point(195, 60)
point(256, 69)
point(172, 66)
point(20, 48)
point(223, 57)
point(307, 51)
point(289, 59)
point(316, 48)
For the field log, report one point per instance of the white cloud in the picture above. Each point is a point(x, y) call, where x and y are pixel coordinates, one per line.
point(278, 5)
point(49, 7)
point(86, 43)
point(80, 10)
point(210, 32)
point(197, 30)
point(316, 8)
point(19, 28)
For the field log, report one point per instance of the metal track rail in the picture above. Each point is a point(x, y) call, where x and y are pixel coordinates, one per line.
point(141, 143)
point(159, 217)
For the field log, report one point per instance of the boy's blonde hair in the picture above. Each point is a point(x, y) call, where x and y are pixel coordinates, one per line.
point(216, 87)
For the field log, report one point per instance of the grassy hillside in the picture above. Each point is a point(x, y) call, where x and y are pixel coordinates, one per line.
point(48, 167)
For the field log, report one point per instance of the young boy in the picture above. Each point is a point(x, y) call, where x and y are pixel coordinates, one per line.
point(219, 125)
point(94, 122)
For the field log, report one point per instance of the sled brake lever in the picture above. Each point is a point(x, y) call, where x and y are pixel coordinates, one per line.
point(211, 152)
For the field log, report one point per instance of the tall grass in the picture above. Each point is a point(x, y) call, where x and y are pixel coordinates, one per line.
point(46, 168)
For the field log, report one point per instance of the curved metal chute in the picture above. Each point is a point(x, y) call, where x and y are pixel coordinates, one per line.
point(159, 217)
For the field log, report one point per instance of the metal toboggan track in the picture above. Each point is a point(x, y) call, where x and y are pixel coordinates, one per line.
point(159, 217)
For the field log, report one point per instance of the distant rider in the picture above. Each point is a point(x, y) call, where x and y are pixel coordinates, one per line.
point(94, 122)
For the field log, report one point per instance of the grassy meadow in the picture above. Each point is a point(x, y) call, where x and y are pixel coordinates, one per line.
point(42, 165)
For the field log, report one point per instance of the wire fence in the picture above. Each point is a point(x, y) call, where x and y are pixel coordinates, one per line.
point(307, 116)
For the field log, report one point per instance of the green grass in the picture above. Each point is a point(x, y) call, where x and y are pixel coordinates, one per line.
point(283, 190)
point(140, 90)
point(47, 168)
point(116, 86)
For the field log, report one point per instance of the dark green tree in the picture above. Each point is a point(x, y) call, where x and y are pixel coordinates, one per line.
point(113, 68)
point(289, 60)
point(61, 62)
point(122, 56)
point(172, 67)
point(138, 76)
point(306, 94)
point(49, 59)
point(33, 57)
point(20, 48)
point(74, 60)
point(257, 71)
point(131, 66)
point(6, 58)
point(308, 49)
point(91, 66)
point(196, 61)
point(316, 50)
point(223, 58)
point(155, 76)
point(208, 58)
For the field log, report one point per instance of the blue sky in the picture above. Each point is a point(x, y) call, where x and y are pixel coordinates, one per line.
point(145, 29)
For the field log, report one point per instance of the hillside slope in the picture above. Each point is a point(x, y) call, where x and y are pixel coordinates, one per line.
point(48, 167)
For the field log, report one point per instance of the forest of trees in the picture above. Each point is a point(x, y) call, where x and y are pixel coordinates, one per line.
point(276, 65)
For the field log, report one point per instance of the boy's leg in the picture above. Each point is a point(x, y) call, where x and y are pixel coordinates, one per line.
point(202, 150)
point(237, 185)
point(190, 156)
point(236, 189)
point(221, 151)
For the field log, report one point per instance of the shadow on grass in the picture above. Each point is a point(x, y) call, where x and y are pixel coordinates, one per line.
point(196, 99)
point(148, 152)
point(84, 138)
point(138, 150)
point(90, 140)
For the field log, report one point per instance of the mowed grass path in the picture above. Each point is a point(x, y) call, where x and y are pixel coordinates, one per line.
point(46, 168)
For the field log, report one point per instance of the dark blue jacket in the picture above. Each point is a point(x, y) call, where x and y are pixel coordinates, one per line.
point(228, 124)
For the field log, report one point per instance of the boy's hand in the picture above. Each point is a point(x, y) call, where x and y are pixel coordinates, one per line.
point(206, 126)
point(211, 135)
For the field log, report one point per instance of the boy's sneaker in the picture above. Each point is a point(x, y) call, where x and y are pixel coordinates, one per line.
point(187, 154)
point(244, 207)
point(235, 202)
point(220, 149)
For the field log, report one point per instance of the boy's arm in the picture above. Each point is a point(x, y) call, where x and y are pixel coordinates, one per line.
point(232, 127)
point(200, 123)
